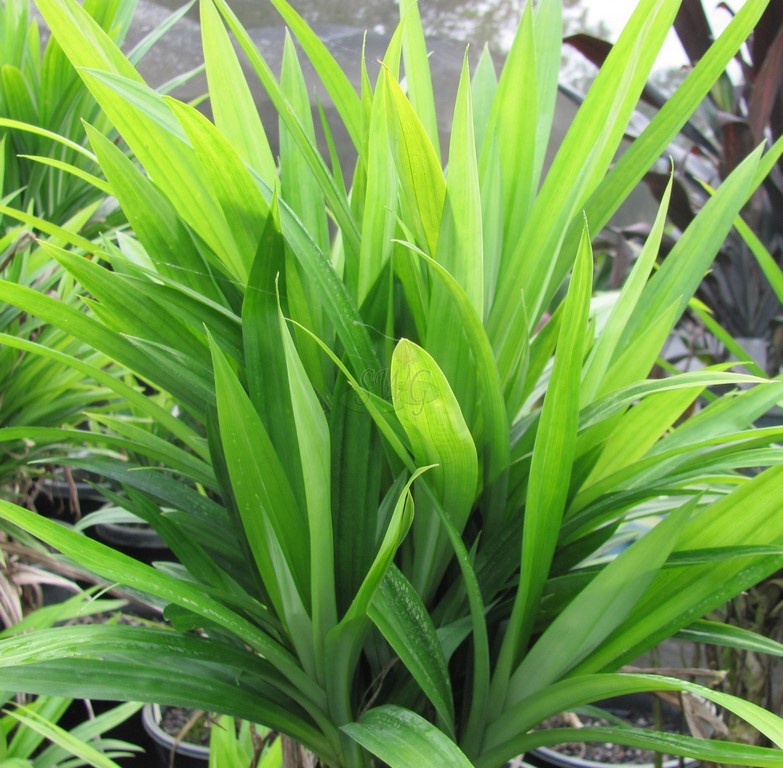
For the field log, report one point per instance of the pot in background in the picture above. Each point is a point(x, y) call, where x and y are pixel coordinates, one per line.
point(139, 541)
point(186, 754)
point(125, 532)
point(630, 708)
point(553, 759)
point(62, 500)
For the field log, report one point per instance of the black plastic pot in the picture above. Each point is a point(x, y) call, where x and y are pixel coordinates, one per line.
point(140, 542)
point(186, 755)
point(56, 499)
point(550, 758)
point(625, 707)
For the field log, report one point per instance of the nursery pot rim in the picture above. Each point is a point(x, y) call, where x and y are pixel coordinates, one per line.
point(123, 534)
point(639, 702)
point(151, 717)
point(571, 761)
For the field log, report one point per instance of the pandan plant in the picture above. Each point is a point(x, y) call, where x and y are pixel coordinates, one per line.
point(406, 441)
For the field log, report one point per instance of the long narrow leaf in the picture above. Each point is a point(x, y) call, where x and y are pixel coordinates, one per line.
point(550, 471)
point(403, 739)
point(403, 620)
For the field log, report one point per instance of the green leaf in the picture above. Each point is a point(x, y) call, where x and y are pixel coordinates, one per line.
point(137, 113)
point(338, 203)
point(140, 441)
point(417, 69)
point(299, 185)
point(476, 719)
point(713, 376)
point(641, 428)
point(460, 245)
point(356, 534)
point(66, 18)
point(93, 729)
point(397, 530)
point(403, 620)
point(74, 746)
point(516, 103)
point(510, 735)
point(18, 125)
point(127, 306)
point(264, 356)
point(598, 609)
point(679, 596)
point(330, 290)
point(687, 263)
point(484, 88)
point(119, 568)
point(408, 271)
point(164, 372)
point(379, 220)
point(344, 642)
point(73, 170)
point(315, 456)
point(273, 522)
point(114, 662)
point(630, 168)
point(471, 369)
point(233, 107)
point(423, 186)
point(334, 79)
point(549, 34)
point(153, 218)
point(81, 604)
point(724, 417)
point(550, 472)
point(53, 230)
point(403, 739)
point(26, 742)
point(92, 370)
point(538, 262)
point(715, 633)
point(431, 417)
point(687, 746)
point(231, 186)
point(604, 352)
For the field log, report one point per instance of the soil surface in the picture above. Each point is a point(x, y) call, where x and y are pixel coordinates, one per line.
point(186, 725)
point(604, 752)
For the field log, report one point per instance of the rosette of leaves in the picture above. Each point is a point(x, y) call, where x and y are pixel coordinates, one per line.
point(390, 487)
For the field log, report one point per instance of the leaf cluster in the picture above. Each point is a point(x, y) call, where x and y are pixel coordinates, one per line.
point(742, 109)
